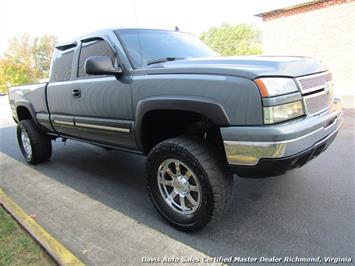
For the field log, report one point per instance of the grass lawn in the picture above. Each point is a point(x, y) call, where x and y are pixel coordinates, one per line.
point(17, 247)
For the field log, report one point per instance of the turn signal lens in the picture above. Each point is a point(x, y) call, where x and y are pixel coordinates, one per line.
point(269, 87)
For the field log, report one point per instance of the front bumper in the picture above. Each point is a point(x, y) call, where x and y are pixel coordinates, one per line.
point(273, 150)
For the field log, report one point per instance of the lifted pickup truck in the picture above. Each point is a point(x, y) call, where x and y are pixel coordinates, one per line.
point(198, 117)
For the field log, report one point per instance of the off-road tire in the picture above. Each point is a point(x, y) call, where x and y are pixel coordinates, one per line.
point(211, 169)
point(41, 144)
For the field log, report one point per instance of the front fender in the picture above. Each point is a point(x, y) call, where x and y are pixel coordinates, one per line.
point(201, 105)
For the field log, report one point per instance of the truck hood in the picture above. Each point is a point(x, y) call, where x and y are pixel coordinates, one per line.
point(243, 66)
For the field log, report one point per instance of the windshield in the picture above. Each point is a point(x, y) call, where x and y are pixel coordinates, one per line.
point(143, 46)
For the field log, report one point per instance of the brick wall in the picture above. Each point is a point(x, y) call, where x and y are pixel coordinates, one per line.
point(325, 30)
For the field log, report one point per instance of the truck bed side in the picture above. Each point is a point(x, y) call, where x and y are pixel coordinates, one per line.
point(31, 100)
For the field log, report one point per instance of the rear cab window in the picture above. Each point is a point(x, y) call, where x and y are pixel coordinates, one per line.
point(62, 65)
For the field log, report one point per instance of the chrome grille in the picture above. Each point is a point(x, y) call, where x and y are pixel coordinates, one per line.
point(317, 92)
point(314, 82)
point(318, 102)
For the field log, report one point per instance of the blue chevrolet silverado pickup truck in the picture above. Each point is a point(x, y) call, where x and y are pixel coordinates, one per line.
point(197, 117)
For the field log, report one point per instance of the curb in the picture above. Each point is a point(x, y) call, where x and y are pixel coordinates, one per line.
point(55, 249)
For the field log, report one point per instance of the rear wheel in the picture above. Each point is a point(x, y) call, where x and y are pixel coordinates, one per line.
point(35, 146)
point(188, 182)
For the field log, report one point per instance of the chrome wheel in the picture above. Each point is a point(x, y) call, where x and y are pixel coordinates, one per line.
point(179, 186)
point(26, 143)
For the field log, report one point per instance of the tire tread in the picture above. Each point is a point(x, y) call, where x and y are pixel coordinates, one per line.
point(214, 165)
point(41, 143)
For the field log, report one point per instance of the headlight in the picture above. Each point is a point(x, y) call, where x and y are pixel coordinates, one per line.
point(279, 113)
point(269, 87)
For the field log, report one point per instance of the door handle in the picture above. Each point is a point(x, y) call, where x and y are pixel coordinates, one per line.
point(76, 93)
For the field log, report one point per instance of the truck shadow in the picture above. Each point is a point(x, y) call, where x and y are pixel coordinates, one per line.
point(116, 179)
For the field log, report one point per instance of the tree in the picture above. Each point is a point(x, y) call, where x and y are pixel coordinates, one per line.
point(27, 60)
point(242, 39)
point(42, 52)
point(13, 74)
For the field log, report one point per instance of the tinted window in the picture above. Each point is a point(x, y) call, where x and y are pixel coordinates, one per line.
point(145, 45)
point(62, 66)
point(94, 48)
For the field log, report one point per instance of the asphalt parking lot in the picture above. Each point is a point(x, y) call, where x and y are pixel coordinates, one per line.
point(309, 212)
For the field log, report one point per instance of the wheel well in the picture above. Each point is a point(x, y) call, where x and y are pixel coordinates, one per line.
point(159, 125)
point(23, 113)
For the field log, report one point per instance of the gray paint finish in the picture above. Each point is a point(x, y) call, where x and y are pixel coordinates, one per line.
point(285, 131)
point(288, 98)
point(249, 67)
point(104, 97)
point(238, 96)
point(30, 96)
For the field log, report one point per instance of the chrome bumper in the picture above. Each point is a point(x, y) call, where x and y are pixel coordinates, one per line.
point(249, 153)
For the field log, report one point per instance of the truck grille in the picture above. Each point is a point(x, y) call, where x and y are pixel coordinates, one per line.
point(318, 102)
point(314, 82)
point(317, 92)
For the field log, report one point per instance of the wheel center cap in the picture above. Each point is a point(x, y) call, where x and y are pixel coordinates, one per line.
point(181, 185)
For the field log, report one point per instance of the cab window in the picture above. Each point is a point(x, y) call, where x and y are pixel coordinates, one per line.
point(93, 48)
point(62, 65)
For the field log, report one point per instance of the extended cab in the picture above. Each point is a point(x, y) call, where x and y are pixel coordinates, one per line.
point(198, 117)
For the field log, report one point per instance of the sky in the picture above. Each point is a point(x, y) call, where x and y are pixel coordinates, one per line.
point(67, 19)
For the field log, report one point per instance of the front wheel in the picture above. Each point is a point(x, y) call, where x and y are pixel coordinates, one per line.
point(188, 182)
point(35, 146)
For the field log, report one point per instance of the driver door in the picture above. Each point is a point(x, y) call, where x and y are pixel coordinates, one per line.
point(103, 107)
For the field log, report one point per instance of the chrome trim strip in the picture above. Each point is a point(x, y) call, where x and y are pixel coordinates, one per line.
point(315, 94)
point(256, 150)
point(63, 123)
point(262, 143)
point(93, 79)
point(117, 129)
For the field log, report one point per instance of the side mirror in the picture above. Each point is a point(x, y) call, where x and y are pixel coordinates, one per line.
point(100, 65)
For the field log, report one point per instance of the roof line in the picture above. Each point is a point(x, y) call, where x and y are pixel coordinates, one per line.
point(306, 3)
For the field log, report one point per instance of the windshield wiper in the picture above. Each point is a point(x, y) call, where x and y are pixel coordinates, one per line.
point(162, 60)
